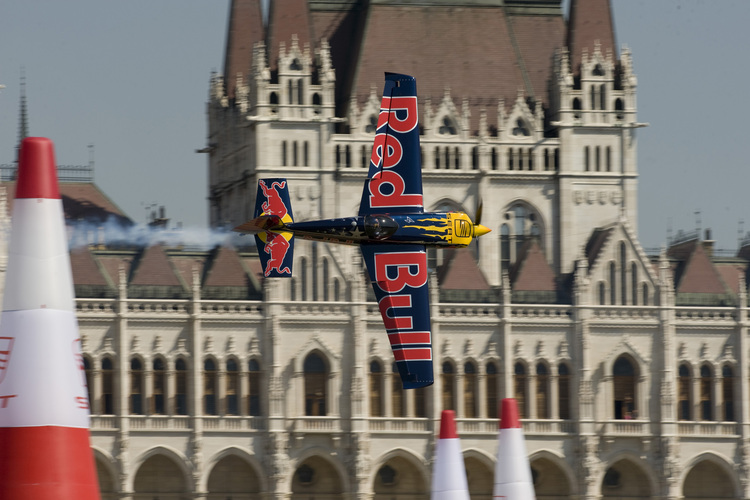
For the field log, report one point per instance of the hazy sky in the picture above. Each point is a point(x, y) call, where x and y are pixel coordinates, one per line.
point(132, 79)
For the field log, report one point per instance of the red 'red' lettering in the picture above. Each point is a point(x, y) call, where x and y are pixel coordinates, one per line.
point(418, 354)
point(389, 108)
point(404, 263)
point(396, 198)
point(391, 302)
point(405, 338)
point(82, 402)
point(393, 150)
point(4, 400)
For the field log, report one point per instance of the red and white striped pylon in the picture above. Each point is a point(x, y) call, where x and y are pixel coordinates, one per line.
point(512, 471)
point(45, 450)
point(448, 471)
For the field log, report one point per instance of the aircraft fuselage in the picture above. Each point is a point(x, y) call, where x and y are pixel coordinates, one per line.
point(439, 229)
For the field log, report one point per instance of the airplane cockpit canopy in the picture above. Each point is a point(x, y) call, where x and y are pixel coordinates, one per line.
point(380, 227)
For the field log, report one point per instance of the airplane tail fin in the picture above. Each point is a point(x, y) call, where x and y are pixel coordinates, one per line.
point(273, 210)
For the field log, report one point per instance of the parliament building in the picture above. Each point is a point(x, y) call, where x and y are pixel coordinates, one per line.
point(630, 367)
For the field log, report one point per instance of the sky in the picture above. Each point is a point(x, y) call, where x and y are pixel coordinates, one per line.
point(132, 79)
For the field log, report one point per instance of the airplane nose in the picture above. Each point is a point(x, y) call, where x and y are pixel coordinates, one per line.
point(480, 230)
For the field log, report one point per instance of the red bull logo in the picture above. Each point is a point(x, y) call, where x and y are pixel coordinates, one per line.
point(274, 203)
point(277, 246)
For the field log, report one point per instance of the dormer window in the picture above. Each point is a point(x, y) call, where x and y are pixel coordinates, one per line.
point(448, 127)
point(372, 125)
point(521, 129)
point(598, 70)
point(296, 65)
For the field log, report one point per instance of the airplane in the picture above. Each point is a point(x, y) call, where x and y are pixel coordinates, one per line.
point(391, 229)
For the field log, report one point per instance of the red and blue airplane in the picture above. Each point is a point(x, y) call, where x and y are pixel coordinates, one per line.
point(391, 229)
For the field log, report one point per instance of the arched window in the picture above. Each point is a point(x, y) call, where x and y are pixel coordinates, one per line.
point(448, 127)
point(623, 275)
point(316, 103)
point(609, 158)
point(283, 153)
point(290, 92)
point(159, 383)
point(89, 372)
point(519, 388)
point(602, 293)
point(602, 97)
point(619, 109)
point(521, 129)
point(470, 390)
point(542, 391)
point(306, 154)
point(316, 381)
point(563, 391)
point(253, 388)
point(475, 158)
point(108, 387)
point(232, 397)
point(727, 389)
point(645, 294)
point(492, 389)
point(301, 91)
point(624, 379)
point(398, 403)
point(376, 389)
point(598, 158)
point(634, 282)
point(303, 279)
point(295, 149)
point(706, 393)
point(586, 158)
point(209, 387)
point(325, 280)
point(180, 396)
point(457, 158)
point(612, 284)
point(576, 108)
point(493, 159)
point(511, 160)
point(684, 399)
point(448, 383)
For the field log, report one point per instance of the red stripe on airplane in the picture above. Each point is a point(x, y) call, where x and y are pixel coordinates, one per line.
point(402, 338)
point(419, 354)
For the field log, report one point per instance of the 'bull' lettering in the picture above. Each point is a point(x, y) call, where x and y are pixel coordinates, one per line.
point(392, 302)
point(410, 269)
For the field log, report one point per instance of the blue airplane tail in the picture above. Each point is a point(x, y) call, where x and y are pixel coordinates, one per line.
point(273, 210)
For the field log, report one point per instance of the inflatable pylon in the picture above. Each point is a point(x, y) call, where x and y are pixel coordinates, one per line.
point(512, 471)
point(45, 449)
point(448, 472)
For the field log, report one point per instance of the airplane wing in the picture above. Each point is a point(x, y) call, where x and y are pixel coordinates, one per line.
point(399, 278)
point(394, 181)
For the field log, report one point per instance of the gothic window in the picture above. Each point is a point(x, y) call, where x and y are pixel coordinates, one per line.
point(180, 397)
point(420, 402)
point(448, 381)
point(372, 124)
point(159, 386)
point(612, 281)
point(398, 403)
point(634, 282)
point(303, 278)
point(336, 290)
point(306, 154)
point(317, 103)
point(475, 158)
point(624, 380)
point(645, 294)
point(619, 109)
point(470, 390)
point(684, 399)
point(511, 162)
point(542, 391)
point(316, 381)
point(290, 92)
point(602, 97)
point(209, 387)
point(283, 153)
point(348, 152)
point(519, 388)
point(598, 70)
point(492, 389)
point(437, 158)
point(448, 127)
point(493, 158)
point(563, 390)
point(598, 159)
point(546, 159)
point(521, 224)
point(727, 389)
point(594, 97)
point(295, 150)
point(89, 372)
point(586, 159)
point(557, 158)
point(300, 92)
point(521, 129)
point(337, 155)
point(376, 389)
point(447, 157)
point(609, 158)
point(136, 387)
point(253, 388)
point(530, 158)
point(576, 108)
point(295, 65)
point(232, 399)
point(108, 387)
point(602, 293)
point(623, 274)
point(457, 158)
point(706, 393)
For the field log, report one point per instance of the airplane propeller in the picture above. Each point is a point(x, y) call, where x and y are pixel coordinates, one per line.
point(479, 229)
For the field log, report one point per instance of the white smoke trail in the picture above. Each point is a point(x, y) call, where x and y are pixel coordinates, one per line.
point(113, 233)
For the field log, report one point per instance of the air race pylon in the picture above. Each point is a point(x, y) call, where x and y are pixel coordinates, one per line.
point(45, 452)
point(512, 471)
point(448, 471)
